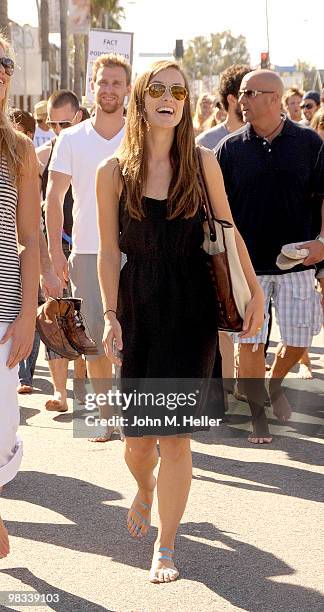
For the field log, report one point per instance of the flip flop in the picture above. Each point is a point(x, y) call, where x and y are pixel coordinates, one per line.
point(170, 572)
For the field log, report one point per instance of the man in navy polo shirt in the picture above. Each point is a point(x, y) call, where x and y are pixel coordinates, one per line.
point(273, 173)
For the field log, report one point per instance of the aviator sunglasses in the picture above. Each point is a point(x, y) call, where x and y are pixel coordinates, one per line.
point(63, 124)
point(156, 90)
point(8, 65)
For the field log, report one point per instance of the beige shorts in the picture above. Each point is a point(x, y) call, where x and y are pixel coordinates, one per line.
point(83, 276)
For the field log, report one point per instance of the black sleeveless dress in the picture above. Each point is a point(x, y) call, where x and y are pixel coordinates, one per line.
point(166, 305)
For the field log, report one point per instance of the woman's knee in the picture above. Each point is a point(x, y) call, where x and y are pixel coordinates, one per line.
point(139, 449)
point(174, 449)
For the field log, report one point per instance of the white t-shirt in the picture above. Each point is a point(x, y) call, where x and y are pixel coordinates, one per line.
point(41, 136)
point(78, 152)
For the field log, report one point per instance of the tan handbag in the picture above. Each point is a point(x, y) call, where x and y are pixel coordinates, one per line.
point(231, 288)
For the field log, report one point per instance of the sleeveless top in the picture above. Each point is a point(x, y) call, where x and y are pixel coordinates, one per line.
point(10, 280)
point(166, 297)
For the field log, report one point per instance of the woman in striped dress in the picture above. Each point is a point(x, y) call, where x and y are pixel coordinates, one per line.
point(19, 272)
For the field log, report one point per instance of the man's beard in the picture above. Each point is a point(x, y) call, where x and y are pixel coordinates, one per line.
point(110, 107)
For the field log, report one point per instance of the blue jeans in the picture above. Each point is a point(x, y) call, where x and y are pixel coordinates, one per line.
point(27, 366)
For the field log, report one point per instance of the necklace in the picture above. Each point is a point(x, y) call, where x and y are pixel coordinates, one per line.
point(273, 131)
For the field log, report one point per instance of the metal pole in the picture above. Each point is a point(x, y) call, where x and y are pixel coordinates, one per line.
point(25, 67)
point(44, 47)
point(267, 20)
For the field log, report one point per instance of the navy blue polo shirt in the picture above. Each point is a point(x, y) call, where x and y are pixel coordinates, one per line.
point(273, 189)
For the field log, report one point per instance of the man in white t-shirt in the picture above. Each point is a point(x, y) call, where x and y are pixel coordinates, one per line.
point(77, 153)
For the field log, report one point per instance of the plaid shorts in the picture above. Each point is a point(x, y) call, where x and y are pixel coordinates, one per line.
point(297, 308)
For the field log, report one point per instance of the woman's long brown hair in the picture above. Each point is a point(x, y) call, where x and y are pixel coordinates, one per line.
point(13, 144)
point(184, 194)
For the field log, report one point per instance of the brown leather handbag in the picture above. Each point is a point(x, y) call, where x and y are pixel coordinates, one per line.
point(60, 326)
point(231, 289)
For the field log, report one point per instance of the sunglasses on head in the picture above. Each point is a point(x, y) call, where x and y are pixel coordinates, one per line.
point(307, 106)
point(8, 65)
point(252, 93)
point(156, 90)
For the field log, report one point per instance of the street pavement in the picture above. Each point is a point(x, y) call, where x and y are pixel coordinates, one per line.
point(250, 538)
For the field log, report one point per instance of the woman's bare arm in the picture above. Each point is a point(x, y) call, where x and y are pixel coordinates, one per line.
point(28, 218)
point(108, 189)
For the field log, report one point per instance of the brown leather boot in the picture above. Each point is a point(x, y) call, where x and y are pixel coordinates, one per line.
point(48, 323)
point(74, 328)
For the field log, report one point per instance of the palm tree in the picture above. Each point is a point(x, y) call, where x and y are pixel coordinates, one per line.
point(78, 41)
point(102, 11)
point(103, 8)
point(44, 32)
point(4, 20)
point(64, 84)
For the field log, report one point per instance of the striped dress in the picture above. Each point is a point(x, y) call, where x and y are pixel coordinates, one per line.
point(10, 279)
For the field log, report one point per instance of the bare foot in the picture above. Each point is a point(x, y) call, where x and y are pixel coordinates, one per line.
point(24, 389)
point(57, 403)
point(139, 515)
point(260, 433)
point(163, 568)
point(4, 541)
point(254, 439)
point(305, 371)
point(280, 405)
point(80, 391)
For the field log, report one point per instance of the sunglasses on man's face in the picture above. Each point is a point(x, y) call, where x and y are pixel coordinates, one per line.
point(8, 65)
point(307, 106)
point(61, 124)
point(65, 123)
point(252, 93)
point(157, 90)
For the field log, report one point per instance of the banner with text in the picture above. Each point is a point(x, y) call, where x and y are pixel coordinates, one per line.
point(107, 41)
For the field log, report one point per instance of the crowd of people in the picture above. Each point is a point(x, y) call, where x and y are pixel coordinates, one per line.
point(101, 189)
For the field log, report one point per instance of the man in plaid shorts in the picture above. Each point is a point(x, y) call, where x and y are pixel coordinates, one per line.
point(273, 173)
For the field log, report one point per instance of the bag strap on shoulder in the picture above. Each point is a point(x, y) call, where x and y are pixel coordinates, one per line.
point(206, 201)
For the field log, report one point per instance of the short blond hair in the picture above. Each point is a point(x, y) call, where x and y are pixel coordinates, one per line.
point(111, 60)
point(292, 91)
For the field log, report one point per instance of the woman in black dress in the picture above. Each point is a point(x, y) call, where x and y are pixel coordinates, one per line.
point(160, 310)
